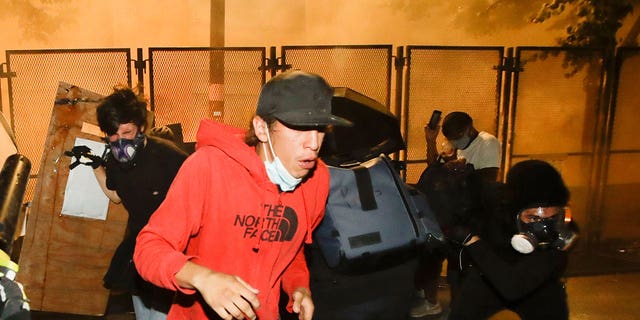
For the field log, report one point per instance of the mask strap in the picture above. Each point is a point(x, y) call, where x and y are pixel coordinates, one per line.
point(273, 153)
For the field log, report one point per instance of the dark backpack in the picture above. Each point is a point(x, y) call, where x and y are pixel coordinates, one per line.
point(454, 196)
point(464, 198)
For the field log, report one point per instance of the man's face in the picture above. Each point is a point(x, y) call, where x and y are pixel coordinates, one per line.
point(297, 147)
point(460, 139)
point(125, 131)
point(541, 213)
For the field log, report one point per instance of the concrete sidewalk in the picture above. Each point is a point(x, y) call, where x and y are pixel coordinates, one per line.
point(613, 296)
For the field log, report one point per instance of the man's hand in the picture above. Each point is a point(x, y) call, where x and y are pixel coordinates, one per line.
point(83, 153)
point(96, 161)
point(431, 134)
point(458, 235)
point(457, 165)
point(228, 295)
point(303, 303)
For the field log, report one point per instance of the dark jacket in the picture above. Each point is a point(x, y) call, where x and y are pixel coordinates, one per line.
point(141, 188)
point(496, 277)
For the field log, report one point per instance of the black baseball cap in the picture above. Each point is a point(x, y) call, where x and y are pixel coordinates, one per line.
point(299, 98)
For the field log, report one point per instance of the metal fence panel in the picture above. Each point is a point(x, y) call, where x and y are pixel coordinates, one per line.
point(189, 84)
point(553, 108)
point(554, 117)
point(621, 204)
point(449, 79)
point(366, 69)
point(33, 90)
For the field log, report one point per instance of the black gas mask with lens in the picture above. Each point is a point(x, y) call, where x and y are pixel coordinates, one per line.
point(544, 233)
point(125, 150)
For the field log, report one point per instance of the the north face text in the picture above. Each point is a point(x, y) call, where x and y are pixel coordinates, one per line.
point(278, 223)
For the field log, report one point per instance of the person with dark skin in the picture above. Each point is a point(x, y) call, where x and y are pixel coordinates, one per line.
point(138, 172)
point(479, 148)
point(464, 146)
point(516, 258)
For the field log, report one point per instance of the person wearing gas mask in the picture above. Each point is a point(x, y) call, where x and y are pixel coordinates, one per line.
point(250, 200)
point(137, 172)
point(517, 260)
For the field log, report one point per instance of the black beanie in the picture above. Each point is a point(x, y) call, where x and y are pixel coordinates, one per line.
point(535, 183)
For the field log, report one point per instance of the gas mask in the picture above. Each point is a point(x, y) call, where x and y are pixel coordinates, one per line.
point(125, 150)
point(544, 233)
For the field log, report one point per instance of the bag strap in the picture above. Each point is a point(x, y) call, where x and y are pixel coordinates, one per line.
point(400, 184)
point(365, 188)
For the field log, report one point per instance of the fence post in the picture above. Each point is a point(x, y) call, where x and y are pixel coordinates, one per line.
point(140, 66)
point(4, 74)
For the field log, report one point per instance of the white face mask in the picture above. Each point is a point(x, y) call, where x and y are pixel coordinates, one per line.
point(277, 173)
point(462, 142)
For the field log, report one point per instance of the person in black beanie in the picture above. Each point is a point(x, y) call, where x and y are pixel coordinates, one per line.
point(517, 260)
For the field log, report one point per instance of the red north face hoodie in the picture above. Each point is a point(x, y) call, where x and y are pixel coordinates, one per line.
point(223, 212)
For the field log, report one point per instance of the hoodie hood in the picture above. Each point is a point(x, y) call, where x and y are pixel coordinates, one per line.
point(230, 140)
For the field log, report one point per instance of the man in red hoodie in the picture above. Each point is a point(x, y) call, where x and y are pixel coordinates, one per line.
point(229, 235)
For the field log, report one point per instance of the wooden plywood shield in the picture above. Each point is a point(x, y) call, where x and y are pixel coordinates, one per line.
point(64, 257)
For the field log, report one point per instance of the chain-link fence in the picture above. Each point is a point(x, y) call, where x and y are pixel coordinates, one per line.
point(38, 74)
point(553, 109)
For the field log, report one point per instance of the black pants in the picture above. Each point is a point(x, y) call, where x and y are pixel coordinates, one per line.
point(383, 294)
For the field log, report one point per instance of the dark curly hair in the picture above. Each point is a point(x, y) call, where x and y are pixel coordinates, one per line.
point(120, 107)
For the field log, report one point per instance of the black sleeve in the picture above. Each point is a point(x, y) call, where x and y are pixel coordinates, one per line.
point(112, 172)
point(515, 279)
point(174, 159)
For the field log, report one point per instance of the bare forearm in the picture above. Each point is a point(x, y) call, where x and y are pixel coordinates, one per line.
point(189, 275)
point(101, 176)
point(228, 295)
point(432, 152)
point(430, 136)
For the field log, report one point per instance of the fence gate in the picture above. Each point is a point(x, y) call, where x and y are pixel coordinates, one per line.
point(449, 79)
point(619, 217)
point(33, 89)
point(54, 241)
point(189, 84)
point(555, 114)
point(365, 69)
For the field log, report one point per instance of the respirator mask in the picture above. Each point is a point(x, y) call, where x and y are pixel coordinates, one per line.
point(125, 150)
point(552, 232)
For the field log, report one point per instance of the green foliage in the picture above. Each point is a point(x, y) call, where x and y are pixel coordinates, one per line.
point(596, 24)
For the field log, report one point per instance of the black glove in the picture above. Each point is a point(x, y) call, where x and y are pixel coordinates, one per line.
point(567, 236)
point(79, 152)
point(13, 303)
point(458, 234)
point(96, 161)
